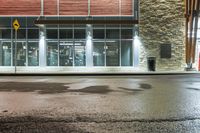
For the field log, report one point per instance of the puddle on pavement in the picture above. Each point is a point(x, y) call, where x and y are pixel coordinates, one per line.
point(41, 88)
point(129, 89)
point(192, 88)
point(145, 86)
point(94, 89)
point(54, 88)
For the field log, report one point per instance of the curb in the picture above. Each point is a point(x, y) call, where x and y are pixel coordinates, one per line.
point(100, 74)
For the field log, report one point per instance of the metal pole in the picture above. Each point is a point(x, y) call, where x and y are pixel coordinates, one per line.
point(42, 8)
point(58, 7)
point(15, 51)
point(89, 2)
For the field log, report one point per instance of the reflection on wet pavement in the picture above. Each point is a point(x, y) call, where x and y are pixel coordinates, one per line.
point(54, 88)
point(136, 97)
point(94, 89)
point(129, 89)
point(39, 87)
point(145, 86)
point(191, 88)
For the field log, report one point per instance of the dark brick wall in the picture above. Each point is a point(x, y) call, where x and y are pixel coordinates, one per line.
point(20, 7)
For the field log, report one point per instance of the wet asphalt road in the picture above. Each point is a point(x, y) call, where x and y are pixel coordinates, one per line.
point(60, 104)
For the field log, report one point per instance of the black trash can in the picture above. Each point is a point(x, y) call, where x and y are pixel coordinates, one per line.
point(151, 63)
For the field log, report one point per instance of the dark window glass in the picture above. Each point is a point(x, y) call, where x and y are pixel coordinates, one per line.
point(112, 33)
point(33, 34)
point(98, 34)
point(126, 33)
point(79, 33)
point(66, 34)
point(5, 33)
point(5, 22)
point(30, 22)
point(21, 34)
point(52, 34)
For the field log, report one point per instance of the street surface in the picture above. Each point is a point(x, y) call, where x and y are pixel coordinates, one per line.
point(102, 104)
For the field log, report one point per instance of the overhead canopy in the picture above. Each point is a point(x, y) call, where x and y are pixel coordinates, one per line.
point(57, 22)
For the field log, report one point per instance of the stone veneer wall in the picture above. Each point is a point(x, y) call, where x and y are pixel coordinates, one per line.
point(162, 22)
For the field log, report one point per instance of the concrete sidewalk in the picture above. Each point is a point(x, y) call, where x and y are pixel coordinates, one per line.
point(102, 73)
point(86, 71)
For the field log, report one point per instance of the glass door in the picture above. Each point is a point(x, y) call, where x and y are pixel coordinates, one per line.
point(98, 53)
point(66, 53)
point(33, 53)
point(112, 53)
point(5, 53)
point(80, 53)
point(52, 53)
point(126, 53)
point(20, 53)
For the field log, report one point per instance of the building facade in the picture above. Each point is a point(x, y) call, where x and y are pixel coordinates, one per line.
point(96, 48)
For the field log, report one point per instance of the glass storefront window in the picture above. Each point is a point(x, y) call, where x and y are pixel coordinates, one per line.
point(66, 44)
point(33, 54)
point(6, 54)
point(52, 53)
point(79, 53)
point(21, 53)
point(126, 53)
point(112, 53)
point(66, 53)
point(98, 53)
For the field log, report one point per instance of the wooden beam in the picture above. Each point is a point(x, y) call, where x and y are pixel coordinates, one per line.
point(186, 30)
point(191, 22)
point(196, 18)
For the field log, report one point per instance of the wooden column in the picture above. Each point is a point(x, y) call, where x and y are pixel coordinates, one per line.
point(192, 8)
